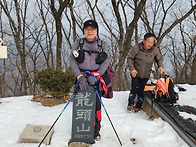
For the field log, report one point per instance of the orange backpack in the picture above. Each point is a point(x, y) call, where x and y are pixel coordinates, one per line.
point(165, 90)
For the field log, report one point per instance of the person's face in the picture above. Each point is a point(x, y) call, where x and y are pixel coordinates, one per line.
point(148, 43)
point(90, 33)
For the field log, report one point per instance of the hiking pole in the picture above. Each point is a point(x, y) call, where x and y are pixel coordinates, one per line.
point(56, 120)
point(108, 117)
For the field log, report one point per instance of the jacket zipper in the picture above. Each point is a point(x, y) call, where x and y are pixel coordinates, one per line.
point(144, 66)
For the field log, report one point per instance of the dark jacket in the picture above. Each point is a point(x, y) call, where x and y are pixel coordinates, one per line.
point(141, 60)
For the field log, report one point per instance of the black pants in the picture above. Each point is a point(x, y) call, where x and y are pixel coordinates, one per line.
point(138, 85)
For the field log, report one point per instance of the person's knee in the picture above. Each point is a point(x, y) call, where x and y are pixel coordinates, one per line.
point(135, 90)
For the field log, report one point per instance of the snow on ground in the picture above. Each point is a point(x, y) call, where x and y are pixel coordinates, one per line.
point(188, 97)
point(17, 112)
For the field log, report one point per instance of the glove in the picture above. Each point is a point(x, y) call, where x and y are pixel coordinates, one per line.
point(91, 80)
point(83, 83)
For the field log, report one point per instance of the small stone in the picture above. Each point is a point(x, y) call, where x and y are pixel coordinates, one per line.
point(133, 140)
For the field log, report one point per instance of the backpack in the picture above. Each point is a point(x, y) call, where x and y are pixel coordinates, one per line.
point(108, 76)
point(164, 90)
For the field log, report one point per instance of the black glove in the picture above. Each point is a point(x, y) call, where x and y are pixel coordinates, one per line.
point(91, 80)
point(83, 83)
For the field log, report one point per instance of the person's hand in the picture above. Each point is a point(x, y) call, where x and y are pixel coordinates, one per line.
point(92, 80)
point(134, 73)
point(83, 83)
point(160, 69)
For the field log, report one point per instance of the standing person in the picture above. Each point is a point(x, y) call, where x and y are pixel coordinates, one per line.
point(140, 60)
point(84, 57)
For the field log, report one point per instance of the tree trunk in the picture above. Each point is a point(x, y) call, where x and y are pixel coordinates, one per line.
point(57, 14)
point(59, 43)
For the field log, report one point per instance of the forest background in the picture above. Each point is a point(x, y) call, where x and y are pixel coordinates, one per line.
point(39, 35)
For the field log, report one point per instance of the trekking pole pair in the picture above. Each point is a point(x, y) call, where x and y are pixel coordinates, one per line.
point(57, 118)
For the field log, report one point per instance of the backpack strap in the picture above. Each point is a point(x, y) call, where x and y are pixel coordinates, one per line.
point(166, 86)
point(99, 43)
point(81, 43)
point(167, 80)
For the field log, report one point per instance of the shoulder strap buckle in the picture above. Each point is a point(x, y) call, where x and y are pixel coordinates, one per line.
point(81, 43)
point(99, 43)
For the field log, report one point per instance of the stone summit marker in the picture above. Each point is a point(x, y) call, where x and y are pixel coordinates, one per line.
point(35, 134)
point(83, 116)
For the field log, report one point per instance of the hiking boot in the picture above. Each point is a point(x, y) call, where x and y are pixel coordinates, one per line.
point(133, 108)
point(130, 107)
point(97, 136)
point(136, 108)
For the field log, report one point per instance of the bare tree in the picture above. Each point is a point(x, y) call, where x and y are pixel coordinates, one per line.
point(57, 14)
point(18, 30)
point(72, 24)
point(183, 54)
point(45, 34)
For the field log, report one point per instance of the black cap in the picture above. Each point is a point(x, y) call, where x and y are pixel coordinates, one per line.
point(90, 23)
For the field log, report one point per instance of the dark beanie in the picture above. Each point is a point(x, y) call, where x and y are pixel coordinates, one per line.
point(91, 23)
